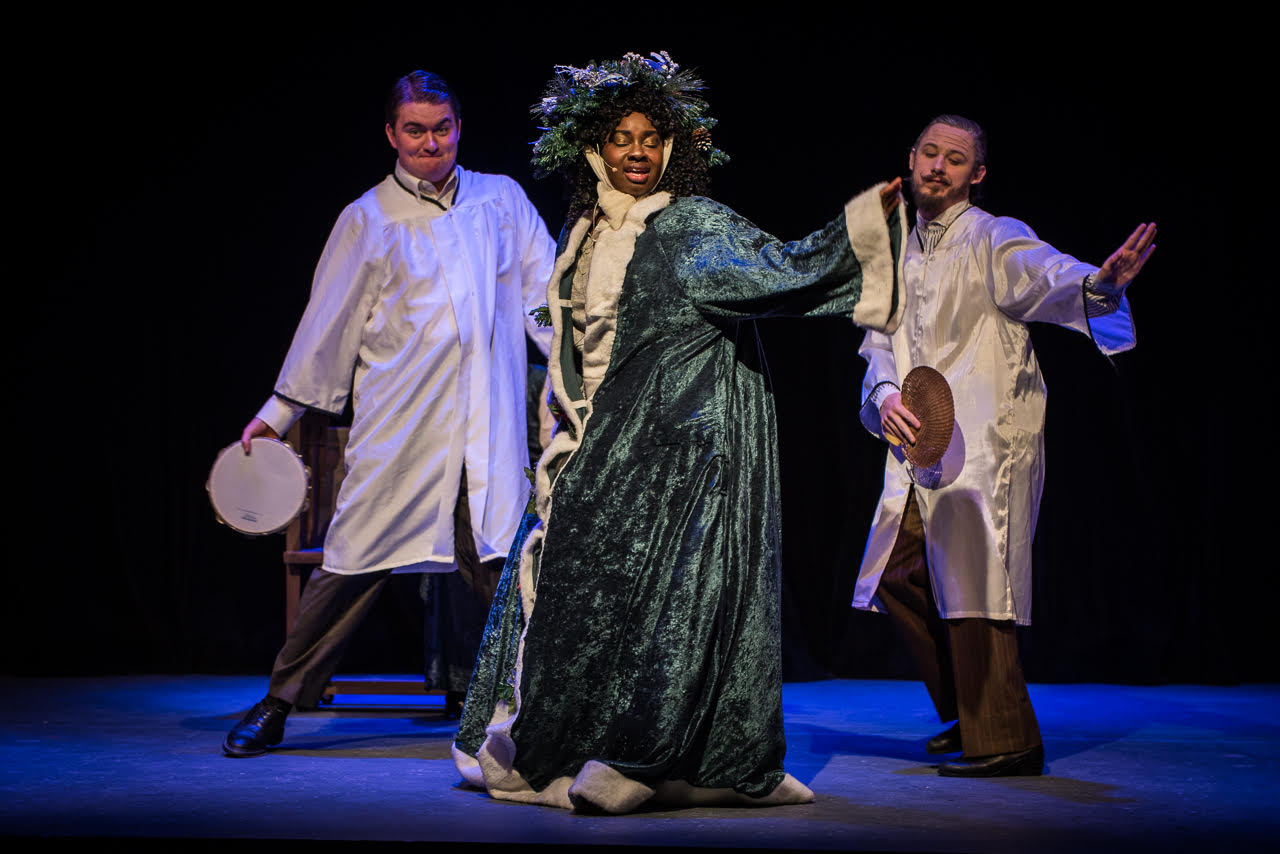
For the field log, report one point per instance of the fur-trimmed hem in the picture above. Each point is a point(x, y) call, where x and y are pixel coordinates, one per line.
point(678, 793)
point(468, 767)
point(881, 304)
point(600, 788)
point(505, 783)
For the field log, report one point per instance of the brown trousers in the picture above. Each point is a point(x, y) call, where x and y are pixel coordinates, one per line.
point(332, 606)
point(970, 666)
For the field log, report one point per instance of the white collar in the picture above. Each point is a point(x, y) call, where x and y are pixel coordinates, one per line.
point(426, 191)
point(945, 218)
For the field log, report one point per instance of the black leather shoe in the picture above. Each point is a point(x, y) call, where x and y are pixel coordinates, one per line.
point(1024, 763)
point(945, 742)
point(260, 728)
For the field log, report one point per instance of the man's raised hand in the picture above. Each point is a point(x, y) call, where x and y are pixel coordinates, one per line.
point(1126, 262)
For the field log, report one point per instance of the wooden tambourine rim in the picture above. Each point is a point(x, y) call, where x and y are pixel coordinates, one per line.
point(302, 506)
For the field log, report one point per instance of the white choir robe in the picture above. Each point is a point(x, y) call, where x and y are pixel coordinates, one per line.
point(967, 305)
point(428, 311)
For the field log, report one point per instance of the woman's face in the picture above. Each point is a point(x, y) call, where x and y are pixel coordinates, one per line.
point(633, 155)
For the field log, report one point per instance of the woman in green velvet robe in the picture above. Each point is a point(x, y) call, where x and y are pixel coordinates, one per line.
point(633, 647)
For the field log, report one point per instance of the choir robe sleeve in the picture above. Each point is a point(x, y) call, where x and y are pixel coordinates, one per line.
point(352, 271)
point(537, 257)
point(877, 349)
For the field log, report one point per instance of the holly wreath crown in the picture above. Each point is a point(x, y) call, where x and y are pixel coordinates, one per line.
point(576, 98)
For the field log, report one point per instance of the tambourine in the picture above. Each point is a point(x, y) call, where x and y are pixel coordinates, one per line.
point(259, 493)
point(927, 395)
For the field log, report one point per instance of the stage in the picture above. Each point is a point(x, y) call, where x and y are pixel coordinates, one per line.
point(1182, 767)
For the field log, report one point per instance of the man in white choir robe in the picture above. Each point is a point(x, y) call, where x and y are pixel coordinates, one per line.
point(420, 307)
point(949, 552)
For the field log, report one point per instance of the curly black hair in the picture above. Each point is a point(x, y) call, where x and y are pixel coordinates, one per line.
point(687, 173)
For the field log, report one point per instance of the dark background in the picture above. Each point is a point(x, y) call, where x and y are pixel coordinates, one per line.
point(176, 183)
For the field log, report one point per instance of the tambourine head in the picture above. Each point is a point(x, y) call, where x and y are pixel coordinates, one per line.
point(258, 493)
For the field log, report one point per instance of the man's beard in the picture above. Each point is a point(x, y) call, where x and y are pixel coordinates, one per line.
point(930, 204)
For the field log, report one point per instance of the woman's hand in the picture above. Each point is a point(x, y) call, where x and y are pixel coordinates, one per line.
point(891, 197)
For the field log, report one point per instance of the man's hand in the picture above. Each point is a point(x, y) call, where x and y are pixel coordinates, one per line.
point(256, 427)
point(1126, 262)
point(897, 422)
point(891, 197)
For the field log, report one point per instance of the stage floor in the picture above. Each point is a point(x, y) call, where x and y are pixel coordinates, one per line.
point(1183, 767)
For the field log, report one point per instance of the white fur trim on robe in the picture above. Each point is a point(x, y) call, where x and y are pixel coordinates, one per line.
point(881, 272)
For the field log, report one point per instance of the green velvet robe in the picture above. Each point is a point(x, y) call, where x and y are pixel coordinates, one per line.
point(651, 638)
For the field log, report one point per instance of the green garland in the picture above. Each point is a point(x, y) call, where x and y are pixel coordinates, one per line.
point(541, 315)
point(576, 95)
